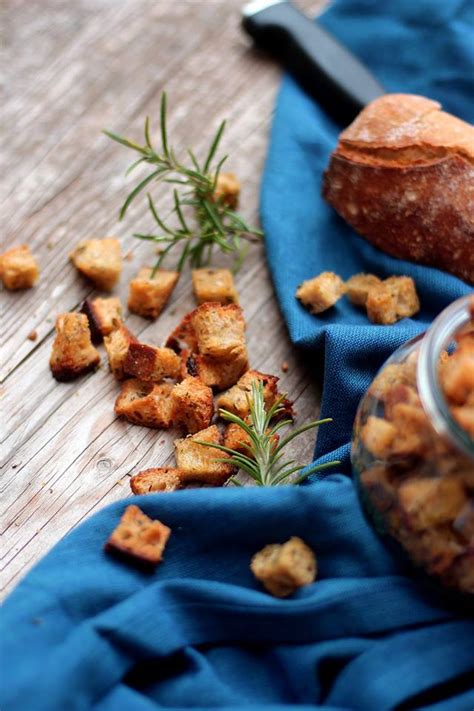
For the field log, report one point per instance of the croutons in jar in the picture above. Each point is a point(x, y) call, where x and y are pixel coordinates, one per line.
point(413, 448)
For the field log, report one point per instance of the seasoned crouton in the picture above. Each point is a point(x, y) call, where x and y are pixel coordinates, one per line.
point(239, 440)
point(358, 287)
point(389, 377)
point(237, 399)
point(196, 462)
point(104, 316)
point(457, 377)
point(282, 568)
point(218, 374)
point(464, 416)
point(377, 436)
point(149, 295)
point(116, 345)
point(150, 363)
point(99, 260)
point(220, 330)
point(73, 353)
point(393, 299)
point(183, 337)
point(193, 404)
point(157, 479)
point(431, 502)
point(227, 190)
point(146, 404)
point(214, 285)
point(139, 538)
point(18, 268)
point(321, 292)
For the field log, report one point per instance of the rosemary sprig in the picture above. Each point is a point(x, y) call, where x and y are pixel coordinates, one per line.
point(264, 461)
point(202, 222)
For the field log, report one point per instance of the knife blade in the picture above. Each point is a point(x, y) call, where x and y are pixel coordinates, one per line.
point(326, 69)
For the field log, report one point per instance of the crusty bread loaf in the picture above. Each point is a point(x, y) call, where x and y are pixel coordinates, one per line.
point(403, 176)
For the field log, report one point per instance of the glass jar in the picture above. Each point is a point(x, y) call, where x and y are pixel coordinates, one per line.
point(413, 448)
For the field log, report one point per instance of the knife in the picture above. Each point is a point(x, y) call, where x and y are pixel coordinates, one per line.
point(328, 71)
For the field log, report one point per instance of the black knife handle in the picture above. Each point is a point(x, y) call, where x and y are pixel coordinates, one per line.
point(323, 66)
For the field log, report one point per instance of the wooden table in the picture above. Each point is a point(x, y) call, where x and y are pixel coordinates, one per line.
point(72, 69)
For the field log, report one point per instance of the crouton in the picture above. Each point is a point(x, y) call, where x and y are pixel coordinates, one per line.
point(237, 400)
point(138, 538)
point(193, 404)
point(414, 431)
point(99, 260)
point(282, 568)
point(220, 330)
point(377, 485)
point(395, 298)
point(18, 268)
point(388, 378)
point(73, 353)
point(183, 337)
point(214, 285)
point(227, 190)
point(358, 287)
point(377, 436)
point(464, 416)
point(431, 502)
point(218, 374)
point(146, 404)
point(149, 295)
point(457, 377)
point(239, 440)
point(196, 462)
point(104, 316)
point(150, 480)
point(321, 292)
point(116, 345)
point(150, 363)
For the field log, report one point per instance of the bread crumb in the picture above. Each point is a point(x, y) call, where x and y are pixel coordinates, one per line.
point(32, 336)
point(285, 366)
point(282, 568)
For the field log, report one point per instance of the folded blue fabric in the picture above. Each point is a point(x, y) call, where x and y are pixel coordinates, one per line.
point(84, 631)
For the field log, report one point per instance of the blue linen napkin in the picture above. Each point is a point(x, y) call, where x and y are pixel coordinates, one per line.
point(83, 631)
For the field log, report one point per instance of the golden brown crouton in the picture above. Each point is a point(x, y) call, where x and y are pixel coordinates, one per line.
point(217, 373)
point(220, 330)
point(282, 568)
point(321, 292)
point(214, 285)
point(73, 353)
point(18, 268)
point(196, 462)
point(183, 337)
point(358, 287)
point(104, 315)
point(159, 479)
point(464, 416)
point(99, 260)
point(457, 377)
point(431, 502)
point(393, 299)
point(149, 295)
point(239, 440)
point(389, 377)
point(193, 404)
point(377, 436)
point(150, 363)
point(116, 345)
point(139, 538)
point(227, 190)
point(237, 399)
point(146, 404)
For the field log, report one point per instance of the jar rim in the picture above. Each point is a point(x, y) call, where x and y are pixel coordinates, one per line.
point(436, 339)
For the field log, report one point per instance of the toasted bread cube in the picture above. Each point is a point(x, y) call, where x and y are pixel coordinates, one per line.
point(358, 287)
point(282, 568)
point(183, 337)
point(139, 538)
point(214, 285)
point(156, 479)
point(389, 377)
point(149, 295)
point(431, 502)
point(227, 190)
point(146, 404)
point(18, 268)
point(394, 299)
point(116, 345)
point(238, 399)
point(220, 330)
point(193, 404)
point(457, 377)
point(104, 315)
point(150, 363)
point(464, 416)
point(377, 485)
point(414, 431)
point(377, 436)
point(73, 353)
point(321, 292)
point(99, 260)
point(239, 440)
point(196, 462)
point(217, 373)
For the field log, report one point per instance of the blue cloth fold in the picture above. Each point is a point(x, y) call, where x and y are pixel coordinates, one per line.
point(84, 631)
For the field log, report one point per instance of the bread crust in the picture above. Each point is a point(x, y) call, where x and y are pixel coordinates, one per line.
point(403, 176)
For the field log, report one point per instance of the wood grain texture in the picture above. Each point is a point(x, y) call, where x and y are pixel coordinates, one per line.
point(70, 70)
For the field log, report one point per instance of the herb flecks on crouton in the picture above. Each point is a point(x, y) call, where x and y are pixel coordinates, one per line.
point(214, 285)
point(395, 298)
point(196, 462)
point(73, 353)
point(18, 268)
point(283, 568)
point(219, 374)
point(220, 330)
point(104, 315)
point(99, 260)
point(150, 363)
point(161, 479)
point(321, 292)
point(138, 538)
point(116, 345)
point(148, 295)
point(193, 404)
point(146, 404)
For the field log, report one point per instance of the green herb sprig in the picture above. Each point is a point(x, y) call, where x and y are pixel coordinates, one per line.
point(264, 462)
point(212, 224)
